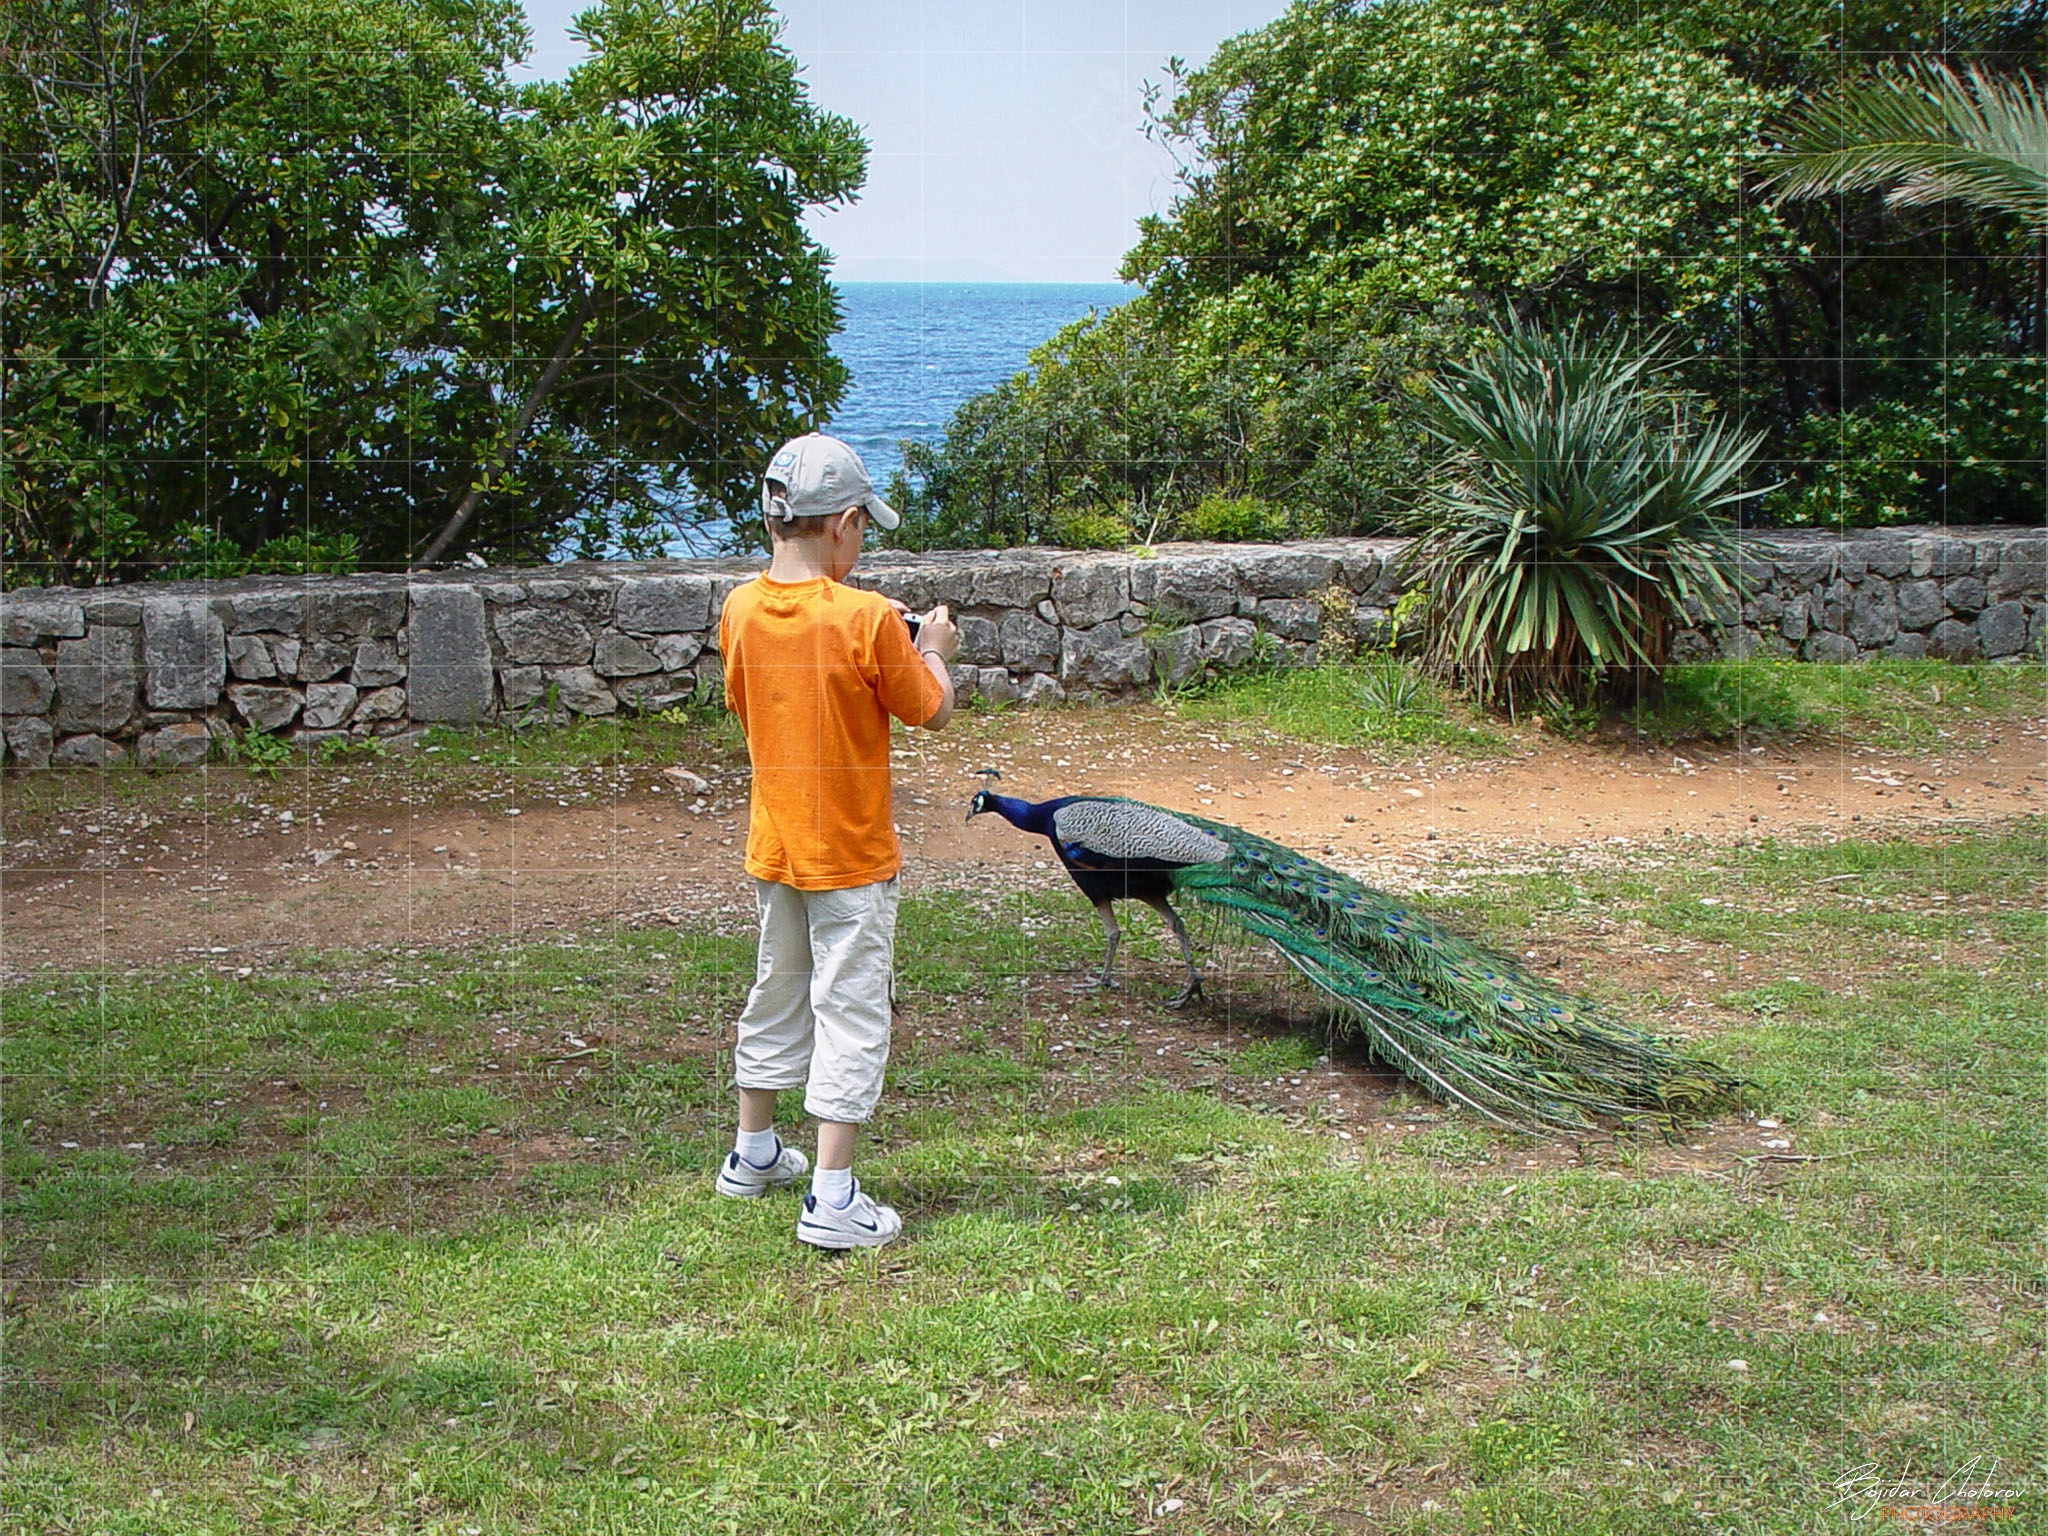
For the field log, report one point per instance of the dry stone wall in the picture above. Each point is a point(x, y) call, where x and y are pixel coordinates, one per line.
point(159, 673)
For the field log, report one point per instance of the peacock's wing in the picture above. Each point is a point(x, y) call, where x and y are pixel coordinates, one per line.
point(1469, 1024)
point(1125, 830)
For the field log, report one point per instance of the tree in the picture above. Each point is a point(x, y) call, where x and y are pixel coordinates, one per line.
point(1381, 174)
point(1931, 135)
point(319, 267)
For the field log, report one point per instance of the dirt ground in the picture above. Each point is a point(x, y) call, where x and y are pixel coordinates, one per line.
point(223, 869)
point(222, 864)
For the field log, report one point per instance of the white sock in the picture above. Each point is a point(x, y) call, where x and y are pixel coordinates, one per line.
point(760, 1148)
point(834, 1186)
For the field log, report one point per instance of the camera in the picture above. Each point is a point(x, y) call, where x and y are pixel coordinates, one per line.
point(915, 623)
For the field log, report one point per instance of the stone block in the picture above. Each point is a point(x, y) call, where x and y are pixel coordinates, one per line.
point(1964, 595)
point(249, 659)
point(502, 592)
point(1177, 656)
point(996, 685)
point(622, 656)
point(522, 687)
point(320, 660)
point(1359, 570)
point(270, 609)
point(651, 693)
point(88, 751)
point(1228, 642)
point(1040, 688)
point(966, 681)
point(263, 707)
point(2022, 571)
point(184, 654)
point(1766, 608)
point(1874, 616)
point(2002, 630)
point(377, 665)
point(675, 652)
point(544, 637)
point(112, 608)
point(581, 691)
point(26, 686)
point(356, 612)
point(29, 742)
point(328, 705)
point(1691, 645)
point(1920, 605)
point(1952, 640)
point(380, 704)
point(1889, 558)
point(1104, 657)
point(1948, 557)
point(449, 676)
point(28, 617)
point(1797, 618)
point(1283, 572)
point(1829, 647)
point(1292, 618)
point(1011, 583)
point(1908, 647)
point(1028, 644)
point(711, 677)
point(184, 745)
point(980, 641)
point(1192, 588)
point(97, 681)
point(1089, 592)
point(656, 605)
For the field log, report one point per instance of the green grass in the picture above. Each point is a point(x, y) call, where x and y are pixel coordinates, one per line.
point(1898, 705)
point(380, 1267)
point(1379, 702)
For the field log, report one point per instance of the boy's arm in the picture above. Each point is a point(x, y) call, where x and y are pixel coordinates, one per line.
point(938, 641)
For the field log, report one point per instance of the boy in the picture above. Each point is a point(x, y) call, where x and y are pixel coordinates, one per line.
point(814, 670)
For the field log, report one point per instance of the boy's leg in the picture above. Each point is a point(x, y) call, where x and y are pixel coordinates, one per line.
point(853, 949)
point(773, 1048)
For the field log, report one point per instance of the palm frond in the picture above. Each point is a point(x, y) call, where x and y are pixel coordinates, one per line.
point(1931, 135)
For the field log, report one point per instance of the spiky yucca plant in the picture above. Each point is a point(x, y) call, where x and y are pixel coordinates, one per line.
point(1930, 134)
point(1578, 511)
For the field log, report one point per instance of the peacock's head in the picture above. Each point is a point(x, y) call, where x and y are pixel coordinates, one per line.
point(984, 797)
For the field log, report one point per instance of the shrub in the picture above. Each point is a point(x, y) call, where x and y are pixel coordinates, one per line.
point(1576, 516)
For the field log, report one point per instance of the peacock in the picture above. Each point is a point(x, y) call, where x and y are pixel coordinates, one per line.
point(1470, 1026)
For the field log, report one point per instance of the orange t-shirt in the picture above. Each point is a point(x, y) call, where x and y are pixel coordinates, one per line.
point(814, 670)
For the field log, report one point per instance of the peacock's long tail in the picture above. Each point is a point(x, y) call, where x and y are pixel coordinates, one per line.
point(1471, 1026)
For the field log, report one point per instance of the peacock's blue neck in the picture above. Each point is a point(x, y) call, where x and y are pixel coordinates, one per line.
point(1025, 816)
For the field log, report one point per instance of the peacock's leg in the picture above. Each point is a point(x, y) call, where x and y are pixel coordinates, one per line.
point(1193, 989)
point(1111, 933)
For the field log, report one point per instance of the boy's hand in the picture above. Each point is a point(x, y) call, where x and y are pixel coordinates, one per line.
point(938, 634)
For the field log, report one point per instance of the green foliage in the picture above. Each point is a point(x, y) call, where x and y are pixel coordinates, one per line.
point(1891, 704)
point(1929, 133)
point(1580, 514)
point(199, 551)
point(323, 267)
point(1363, 181)
point(262, 753)
point(1234, 519)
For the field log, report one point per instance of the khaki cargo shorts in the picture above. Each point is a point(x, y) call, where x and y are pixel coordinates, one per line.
point(818, 1015)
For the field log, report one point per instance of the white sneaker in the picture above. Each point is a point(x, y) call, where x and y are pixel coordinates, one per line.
point(739, 1179)
point(860, 1224)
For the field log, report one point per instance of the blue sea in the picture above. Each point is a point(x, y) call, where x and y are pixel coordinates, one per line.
point(918, 350)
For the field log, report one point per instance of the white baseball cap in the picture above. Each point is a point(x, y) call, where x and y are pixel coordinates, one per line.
point(821, 476)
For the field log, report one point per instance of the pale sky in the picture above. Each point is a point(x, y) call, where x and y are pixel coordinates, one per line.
point(1003, 135)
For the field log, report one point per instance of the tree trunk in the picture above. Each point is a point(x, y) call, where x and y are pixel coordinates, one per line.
point(542, 387)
